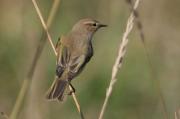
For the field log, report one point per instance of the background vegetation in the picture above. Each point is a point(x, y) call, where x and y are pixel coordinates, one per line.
point(134, 96)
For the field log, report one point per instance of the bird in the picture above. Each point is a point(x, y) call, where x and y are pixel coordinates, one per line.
point(74, 51)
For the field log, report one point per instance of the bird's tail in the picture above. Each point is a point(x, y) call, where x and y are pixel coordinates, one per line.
point(57, 90)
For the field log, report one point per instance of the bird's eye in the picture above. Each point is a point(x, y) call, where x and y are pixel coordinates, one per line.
point(94, 24)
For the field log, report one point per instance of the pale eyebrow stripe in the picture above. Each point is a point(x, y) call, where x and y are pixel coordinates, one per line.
point(88, 22)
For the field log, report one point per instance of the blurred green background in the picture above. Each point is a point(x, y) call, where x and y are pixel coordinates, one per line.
point(135, 94)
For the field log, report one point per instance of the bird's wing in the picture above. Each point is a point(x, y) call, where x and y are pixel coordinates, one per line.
point(76, 66)
point(62, 52)
point(72, 62)
point(58, 43)
point(77, 63)
point(58, 47)
point(62, 57)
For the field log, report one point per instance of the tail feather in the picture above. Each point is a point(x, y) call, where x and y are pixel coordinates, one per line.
point(57, 90)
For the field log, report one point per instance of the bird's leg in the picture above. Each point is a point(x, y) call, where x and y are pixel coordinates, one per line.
point(73, 89)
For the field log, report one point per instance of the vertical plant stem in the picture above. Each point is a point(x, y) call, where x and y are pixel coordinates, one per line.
point(27, 81)
point(20, 98)
point(50, 41)
point(43, 40)
point(177, 114)
point(157, 83)
point(77, 104)
point(147, 53)
point(119, 59)
point(44, 26)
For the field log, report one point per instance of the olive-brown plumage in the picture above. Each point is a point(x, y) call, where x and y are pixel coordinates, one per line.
point(74, 51)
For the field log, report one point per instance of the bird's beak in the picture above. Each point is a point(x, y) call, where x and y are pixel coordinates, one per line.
point(102, 25)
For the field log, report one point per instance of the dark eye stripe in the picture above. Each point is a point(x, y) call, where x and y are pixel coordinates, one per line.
point(94, 24)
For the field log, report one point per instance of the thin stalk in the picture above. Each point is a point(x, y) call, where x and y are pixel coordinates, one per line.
point(177, 114)
point(77, 104)
point(50, 41)
point(119, 59)
point(27, 81)
point(147, 53)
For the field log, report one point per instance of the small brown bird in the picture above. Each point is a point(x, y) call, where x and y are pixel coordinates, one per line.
point(74, 52)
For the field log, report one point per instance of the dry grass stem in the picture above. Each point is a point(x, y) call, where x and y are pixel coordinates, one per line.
point(43, 39)
point(27, 81)
point(176, 117)
point(44, 26)
point(20, 98)
point(177, 114)
point(137, 19)
point(52, 45)
point(77, 104)
point(119, 59)
point(53, 12)
point(153, 73)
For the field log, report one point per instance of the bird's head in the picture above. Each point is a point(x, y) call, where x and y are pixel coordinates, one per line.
point(87, 25)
